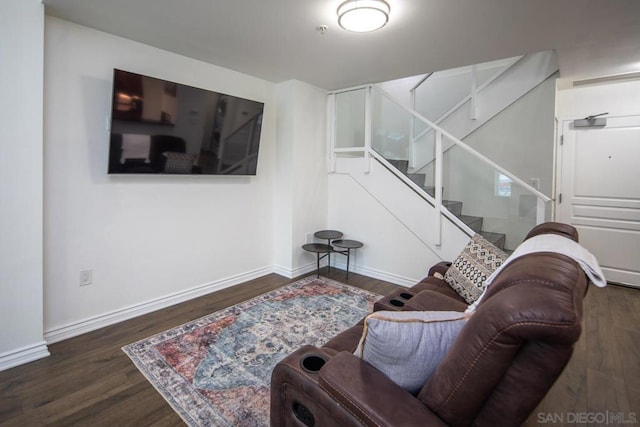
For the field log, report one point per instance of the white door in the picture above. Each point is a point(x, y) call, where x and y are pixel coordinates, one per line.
point(599, 186)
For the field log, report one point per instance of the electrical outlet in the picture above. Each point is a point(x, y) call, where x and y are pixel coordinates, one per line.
point(85, 277)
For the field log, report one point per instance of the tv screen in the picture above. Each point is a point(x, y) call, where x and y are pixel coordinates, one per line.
point(162, 127)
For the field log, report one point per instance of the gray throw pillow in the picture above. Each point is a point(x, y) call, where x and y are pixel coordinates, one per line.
point(407, 346)
point(476, 262)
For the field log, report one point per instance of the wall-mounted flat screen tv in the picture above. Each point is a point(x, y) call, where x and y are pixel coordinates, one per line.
point(162, 127)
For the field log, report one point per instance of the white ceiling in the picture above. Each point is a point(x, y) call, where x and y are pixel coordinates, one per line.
point(278, 40)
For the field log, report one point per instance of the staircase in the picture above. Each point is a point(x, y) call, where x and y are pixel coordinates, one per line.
point(424, 154)
point(453, 206)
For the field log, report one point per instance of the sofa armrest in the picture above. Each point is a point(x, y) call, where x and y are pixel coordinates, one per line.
point(440, 268)
point(370, 396)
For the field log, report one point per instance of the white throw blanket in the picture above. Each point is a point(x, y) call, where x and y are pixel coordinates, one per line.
point(557, 244)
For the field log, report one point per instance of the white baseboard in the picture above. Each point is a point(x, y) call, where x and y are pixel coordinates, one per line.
point(23, 355)
point(295, 272)
point(304, 269)
point(285, 272)
point(366, 271)
point(377, 274)
point(37, 351)
point(91, 324)
point(83, 326)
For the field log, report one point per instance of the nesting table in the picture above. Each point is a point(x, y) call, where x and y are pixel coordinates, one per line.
point(333, 237)
point(346, 246)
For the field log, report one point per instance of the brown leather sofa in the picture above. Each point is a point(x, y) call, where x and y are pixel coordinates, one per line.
point(500, 366)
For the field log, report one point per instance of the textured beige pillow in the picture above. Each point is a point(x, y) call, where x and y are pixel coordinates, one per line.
point(476, 262)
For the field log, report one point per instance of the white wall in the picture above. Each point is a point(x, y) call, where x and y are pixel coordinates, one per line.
point(396, 226)
point(400, 89)
point(21, 65)
point(301, 195)
point(283, 199)
point(618, 99)
point(150, 241)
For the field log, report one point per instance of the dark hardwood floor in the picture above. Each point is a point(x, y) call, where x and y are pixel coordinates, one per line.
point(90, 381)
point(601, 383)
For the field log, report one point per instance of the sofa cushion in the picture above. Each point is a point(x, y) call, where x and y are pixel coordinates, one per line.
point(434, 301)
point(407, 346)
point(346, 340)
point(475, 263)
point(436, 285)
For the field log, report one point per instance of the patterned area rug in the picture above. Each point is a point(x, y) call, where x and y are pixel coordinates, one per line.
point(216, 371)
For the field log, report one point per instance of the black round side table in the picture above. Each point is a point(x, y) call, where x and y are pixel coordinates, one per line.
point(347, 245)
point(328, 235)
point(318, 248)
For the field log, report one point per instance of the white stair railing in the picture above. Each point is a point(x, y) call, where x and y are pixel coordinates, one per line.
point(368, 151)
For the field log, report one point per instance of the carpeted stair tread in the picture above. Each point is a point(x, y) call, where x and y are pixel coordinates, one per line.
point(418, 178)
point(474, 222)
point(430, 191)
point(453, 206)
point(497, 239)
point(401, 165)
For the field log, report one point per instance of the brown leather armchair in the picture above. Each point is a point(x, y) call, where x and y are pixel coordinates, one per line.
point(500, 367)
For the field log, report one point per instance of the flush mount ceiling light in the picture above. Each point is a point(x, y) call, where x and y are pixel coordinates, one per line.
point(362, 16)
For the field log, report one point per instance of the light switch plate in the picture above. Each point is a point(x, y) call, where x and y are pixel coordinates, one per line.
point(85, 277)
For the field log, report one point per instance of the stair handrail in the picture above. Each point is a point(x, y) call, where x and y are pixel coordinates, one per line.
point(463, 145)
